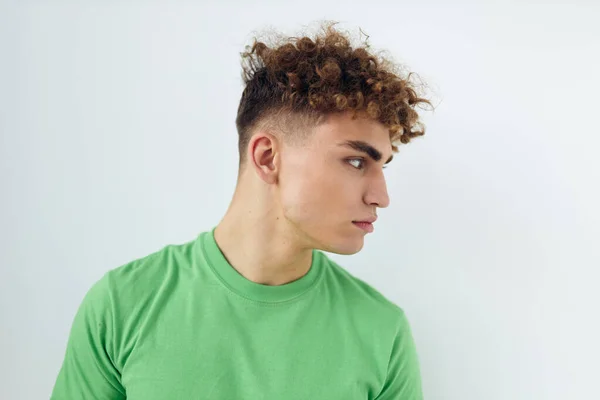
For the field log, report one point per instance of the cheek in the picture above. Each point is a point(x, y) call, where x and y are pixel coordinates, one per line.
point(312, 200)
point(303, 196)
point(316, 190)
point(300, 192)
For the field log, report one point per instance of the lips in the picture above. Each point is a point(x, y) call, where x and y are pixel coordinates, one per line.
point(364, 225)
point(369, 220)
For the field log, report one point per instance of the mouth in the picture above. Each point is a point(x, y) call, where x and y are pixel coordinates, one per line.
point(364, 225)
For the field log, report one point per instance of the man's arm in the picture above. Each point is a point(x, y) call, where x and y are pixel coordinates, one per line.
point(88, 371)
point(403, 380)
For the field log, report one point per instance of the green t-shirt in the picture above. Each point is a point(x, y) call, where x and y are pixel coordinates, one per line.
point(182, 323)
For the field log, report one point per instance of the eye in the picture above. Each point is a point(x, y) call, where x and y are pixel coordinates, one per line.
point(357, 163)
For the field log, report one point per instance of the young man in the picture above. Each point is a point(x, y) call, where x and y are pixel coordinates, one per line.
point(253, 308)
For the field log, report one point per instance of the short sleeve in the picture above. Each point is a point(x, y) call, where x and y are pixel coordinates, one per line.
point(87, 371)
point(403, 380)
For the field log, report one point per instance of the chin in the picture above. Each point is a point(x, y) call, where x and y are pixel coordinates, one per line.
point(347, 251)
point(337, 241)
point(345, 247)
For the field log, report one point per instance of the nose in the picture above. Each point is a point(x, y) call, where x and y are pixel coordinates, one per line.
point(377, 194)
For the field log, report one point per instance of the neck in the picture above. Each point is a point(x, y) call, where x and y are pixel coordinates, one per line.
point(258, 242)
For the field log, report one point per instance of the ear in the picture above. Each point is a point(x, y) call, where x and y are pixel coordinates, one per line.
point(263, 156)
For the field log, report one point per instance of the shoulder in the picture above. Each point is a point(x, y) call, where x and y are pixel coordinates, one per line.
point(128, 290)
point(376, 321)
point(363, 297)
point(146, 274)
point(132, 282)
point(125, 296)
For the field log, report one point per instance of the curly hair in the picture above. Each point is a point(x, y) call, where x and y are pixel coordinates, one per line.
point(292, 86)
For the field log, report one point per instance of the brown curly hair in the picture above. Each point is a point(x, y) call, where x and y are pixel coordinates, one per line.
point(292, 86)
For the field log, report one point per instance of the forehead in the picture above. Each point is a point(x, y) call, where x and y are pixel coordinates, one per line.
point(338, 128)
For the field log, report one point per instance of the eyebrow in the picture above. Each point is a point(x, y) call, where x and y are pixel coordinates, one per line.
point(366, 148)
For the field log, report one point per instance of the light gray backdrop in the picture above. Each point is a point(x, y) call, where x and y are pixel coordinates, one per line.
point(118, 137)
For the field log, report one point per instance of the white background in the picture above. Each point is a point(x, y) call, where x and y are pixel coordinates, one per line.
point(118, 137)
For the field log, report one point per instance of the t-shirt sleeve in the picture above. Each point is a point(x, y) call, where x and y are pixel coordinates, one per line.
point(403, 380)
point(88, 371)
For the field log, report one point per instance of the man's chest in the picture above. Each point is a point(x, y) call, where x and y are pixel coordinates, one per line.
point(227, 361)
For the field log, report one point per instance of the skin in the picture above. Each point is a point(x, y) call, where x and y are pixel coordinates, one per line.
point(292, 198)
